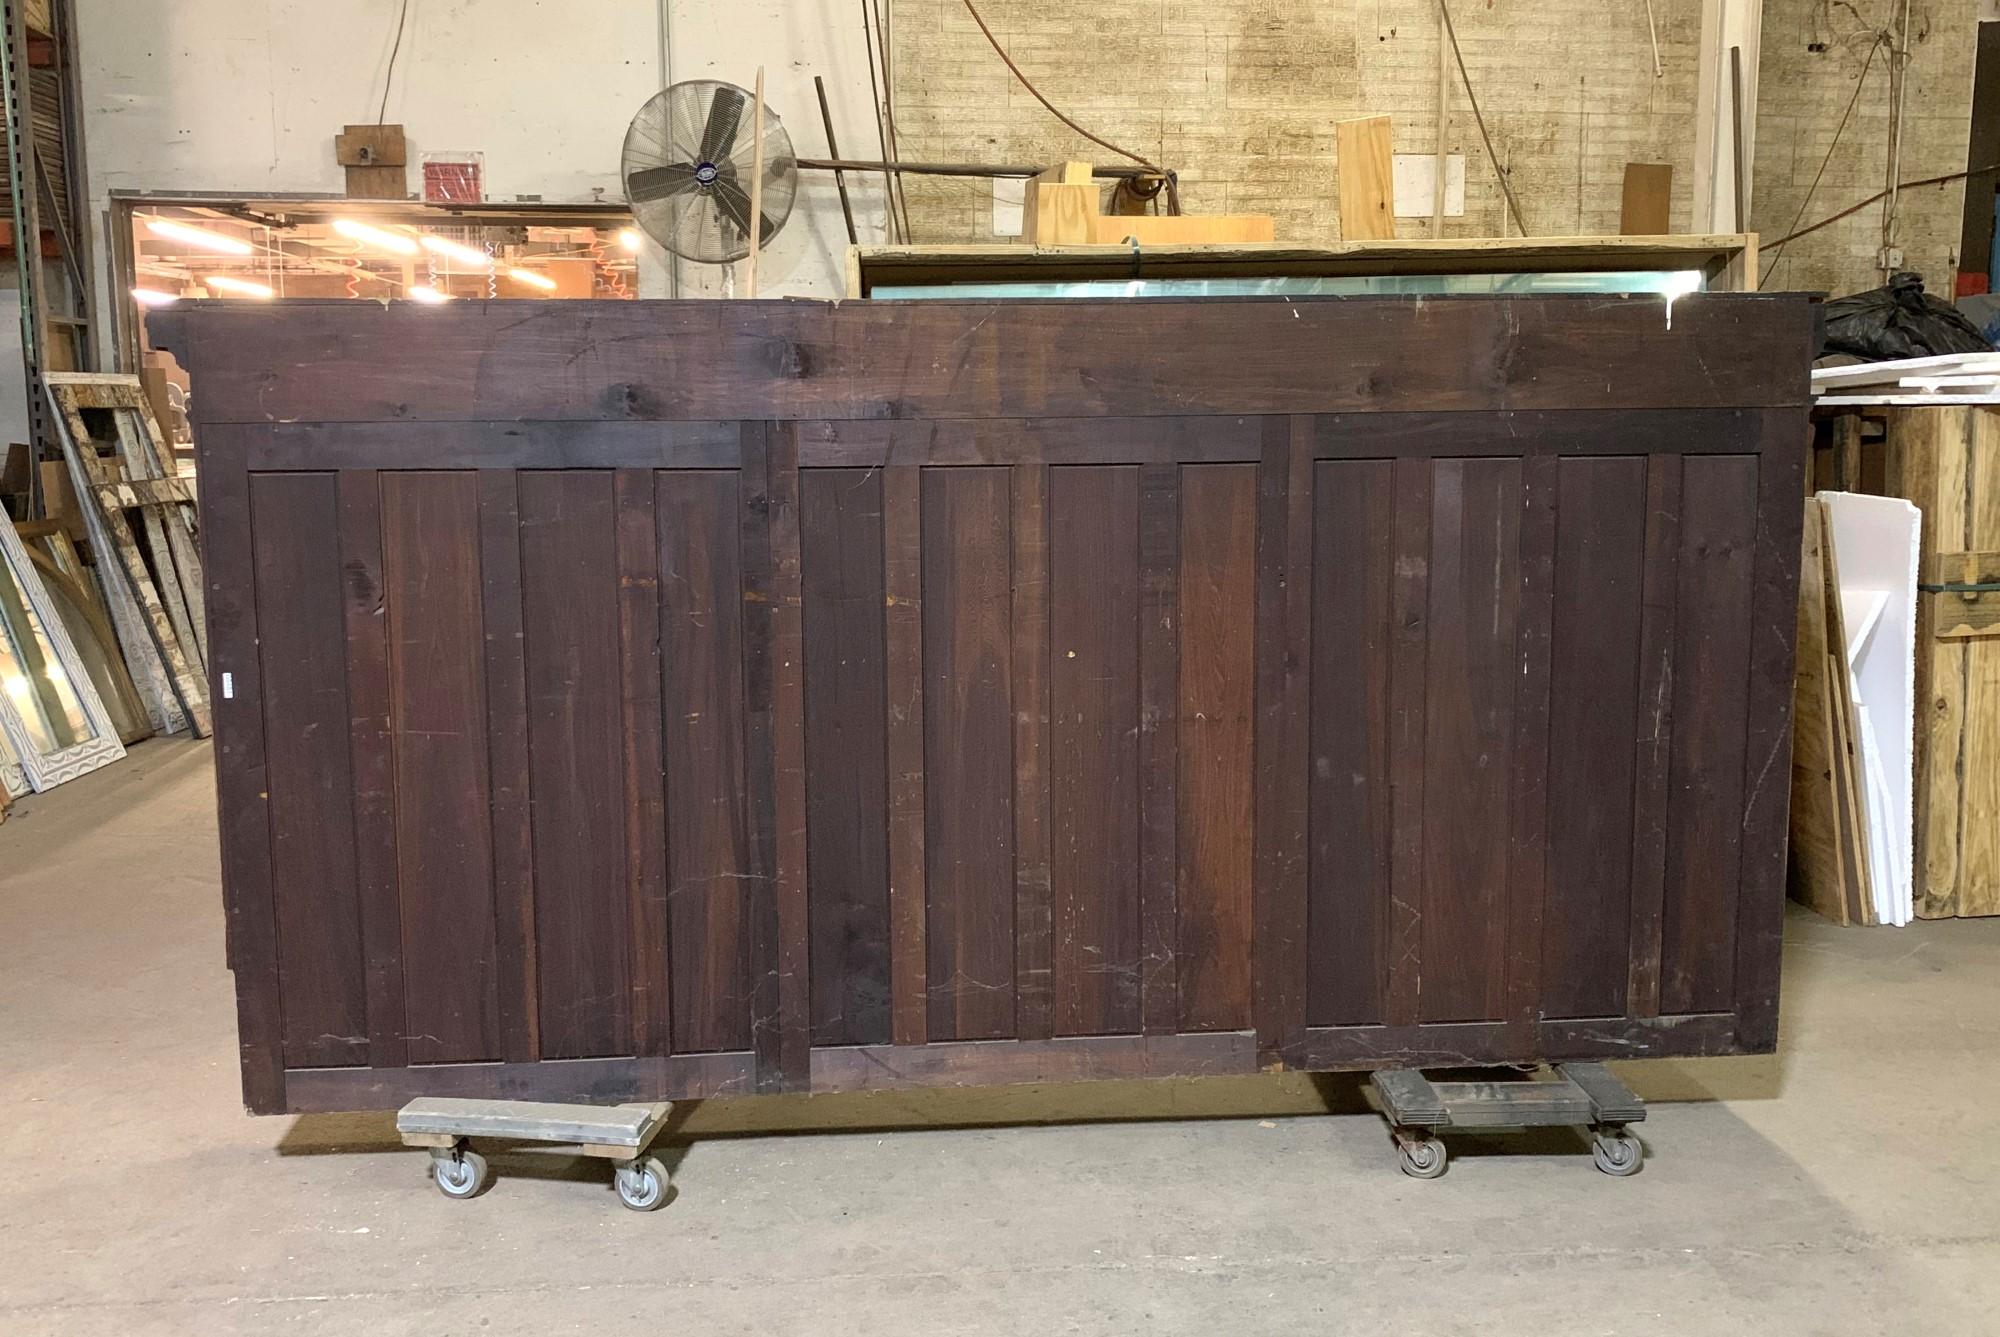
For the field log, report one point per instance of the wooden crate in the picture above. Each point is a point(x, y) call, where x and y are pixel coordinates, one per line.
point(639, 700)
point(1946, 459)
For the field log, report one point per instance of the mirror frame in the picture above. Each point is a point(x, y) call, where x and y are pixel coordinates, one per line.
point(45, 770)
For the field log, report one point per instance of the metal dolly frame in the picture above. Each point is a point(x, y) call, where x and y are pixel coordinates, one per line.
point(620, 1134)
point(1580, 1094)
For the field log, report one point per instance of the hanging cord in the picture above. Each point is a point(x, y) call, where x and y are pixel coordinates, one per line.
point(402, 16)
point(1173, 187)
point(1506, 187)
point(1778, 250)
point(1852, 209)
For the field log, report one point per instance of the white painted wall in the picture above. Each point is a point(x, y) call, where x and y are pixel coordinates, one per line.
point(224, 96)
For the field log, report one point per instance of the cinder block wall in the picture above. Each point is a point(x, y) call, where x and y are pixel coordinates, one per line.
point(1801, 96)
point(1241, 97)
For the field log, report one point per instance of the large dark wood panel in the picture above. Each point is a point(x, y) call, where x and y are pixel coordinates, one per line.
point(709, 870)
point(1719, 498)
point(847, 768)
point(968, 753)
point(1429, 669)
point(1218, 671)
point(320, 961)
point(1600, 559)
point(1353, 569)
point(437, 695)
point(569, 600)
point(1094, 746)
point(1470, 673)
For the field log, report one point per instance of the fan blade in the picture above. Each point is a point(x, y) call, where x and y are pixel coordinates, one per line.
point(659, 183)
point(736, 205)
point(725, 114)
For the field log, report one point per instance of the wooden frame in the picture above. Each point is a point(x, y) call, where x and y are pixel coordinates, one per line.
point(159, 608)
point(44, 770)
point(636, 701)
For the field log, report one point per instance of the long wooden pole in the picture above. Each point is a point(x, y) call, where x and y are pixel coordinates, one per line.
point(1444, 111)
point(756, 182)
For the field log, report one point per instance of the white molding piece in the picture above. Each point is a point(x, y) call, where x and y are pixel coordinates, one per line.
point(45, 770)
point(1725, 23)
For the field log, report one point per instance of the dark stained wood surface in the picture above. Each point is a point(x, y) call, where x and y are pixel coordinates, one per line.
point(635, 702)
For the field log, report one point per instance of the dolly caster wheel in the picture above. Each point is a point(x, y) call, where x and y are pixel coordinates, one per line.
point(642, 1184)
point(1617, 1152)
point(1420, 1157)
point(460, 1171)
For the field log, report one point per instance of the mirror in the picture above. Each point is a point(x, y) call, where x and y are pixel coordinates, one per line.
point(54, 720)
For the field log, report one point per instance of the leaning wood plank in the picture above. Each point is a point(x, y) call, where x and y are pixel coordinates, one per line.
point(109, 533)
point(1847, 768)
point(1979, 800)
point(170, 518)
point(1367, 179)
point(1816, 866)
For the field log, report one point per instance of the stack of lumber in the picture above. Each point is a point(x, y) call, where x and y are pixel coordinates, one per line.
point(1950, 378)
point(1943, 458)
point(1852, 765)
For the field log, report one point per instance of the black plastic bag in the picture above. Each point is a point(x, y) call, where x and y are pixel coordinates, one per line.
point(1897, 321)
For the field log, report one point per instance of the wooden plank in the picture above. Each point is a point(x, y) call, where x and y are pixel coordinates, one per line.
point(576, 762)
point(1354, 579)
point(1600, 571)
point(1366, 178)
point(1059, 213)
point(587, 1080)
point(1817, 872)
point(903, 657)
point(788, 765)
point(968, 753)
point(702, 706)
point(1528, 799)
point(645, 798)
point(1065, 1059)
point(345, 361)
point(437, 694)
point(629, 1126)
point(1159, 747)
point(1094, 728)
point(1408, 702)
point(1217, 744)
point(1712, 659)
point(372, 762)
point(1180, 229)
point(516, 963)
point(295, 519)
point(847, 769)
point(1979, 797)
point(1646, 206)
point(512, 445)
point(1283, 641)
point(1034, 893)
point(1471, 665)
point(1653, 734)
point(760, 755)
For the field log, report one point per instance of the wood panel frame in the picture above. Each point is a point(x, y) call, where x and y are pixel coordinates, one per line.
point(768, 393)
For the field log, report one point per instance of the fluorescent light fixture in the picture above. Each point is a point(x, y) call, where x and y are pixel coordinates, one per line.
point(465, 255)
point(532, 279)
point(241, 287)
point(154, 297)
point(427, 294)
point(630, 239)
point(394, 242)
point(199, 237)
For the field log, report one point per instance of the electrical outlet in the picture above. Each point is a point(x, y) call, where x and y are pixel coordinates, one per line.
point(1890, 257)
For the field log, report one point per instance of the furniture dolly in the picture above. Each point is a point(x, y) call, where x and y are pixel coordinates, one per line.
point(620, 1134)
point(1579, 1093)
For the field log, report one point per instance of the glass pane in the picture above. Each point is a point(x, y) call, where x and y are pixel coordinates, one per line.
point(32, 677)
point(1668, 283)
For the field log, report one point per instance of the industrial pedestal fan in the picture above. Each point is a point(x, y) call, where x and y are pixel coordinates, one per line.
point(687, 167)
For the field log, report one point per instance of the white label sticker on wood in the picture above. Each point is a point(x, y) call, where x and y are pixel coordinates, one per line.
point(229, 687)
point(1414, 174)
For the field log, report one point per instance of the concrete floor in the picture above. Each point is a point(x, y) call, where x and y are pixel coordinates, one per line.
point(1847, 1186)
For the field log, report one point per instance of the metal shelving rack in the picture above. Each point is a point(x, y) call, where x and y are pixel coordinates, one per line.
point(48, 191)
